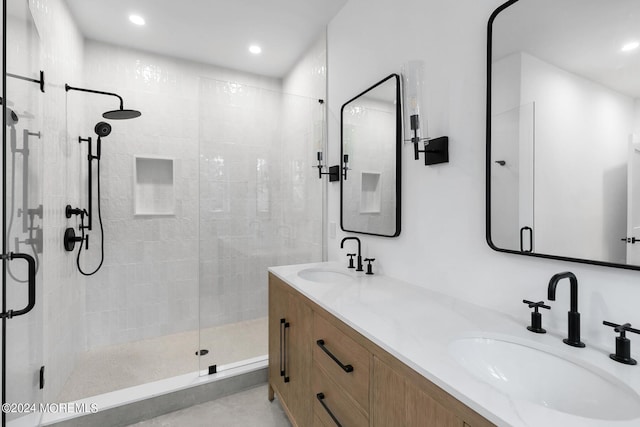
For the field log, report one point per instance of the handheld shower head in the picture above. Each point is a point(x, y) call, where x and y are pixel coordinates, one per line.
point(12, 117)
point(102, 129)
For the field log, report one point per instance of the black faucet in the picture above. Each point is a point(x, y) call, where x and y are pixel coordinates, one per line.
point(359, 259)
point(574, 316)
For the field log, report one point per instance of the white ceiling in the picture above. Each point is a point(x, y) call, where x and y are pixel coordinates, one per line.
point(581, 36)
point(216, 32)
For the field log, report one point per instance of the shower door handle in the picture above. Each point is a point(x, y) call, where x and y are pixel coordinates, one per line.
point(31, 263)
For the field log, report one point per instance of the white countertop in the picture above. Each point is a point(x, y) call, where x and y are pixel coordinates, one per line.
point(417, 325)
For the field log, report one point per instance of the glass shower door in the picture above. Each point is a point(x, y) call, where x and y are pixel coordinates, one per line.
point(22, 308)
point(260, 206)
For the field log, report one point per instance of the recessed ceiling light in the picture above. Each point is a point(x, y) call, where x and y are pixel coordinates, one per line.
point(255, 49)
point(630, 46)
point(137, 19)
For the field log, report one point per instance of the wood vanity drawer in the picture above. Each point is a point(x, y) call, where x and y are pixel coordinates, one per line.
point(334, 401)
point(330, 341)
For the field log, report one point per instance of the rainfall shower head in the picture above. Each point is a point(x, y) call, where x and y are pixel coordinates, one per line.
point(121, 114)
point(102, 129)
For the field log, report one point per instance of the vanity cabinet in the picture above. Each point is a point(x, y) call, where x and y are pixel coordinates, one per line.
point(336, 376)
point(290, 326)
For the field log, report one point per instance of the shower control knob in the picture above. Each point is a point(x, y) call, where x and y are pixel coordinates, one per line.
point(70, 239)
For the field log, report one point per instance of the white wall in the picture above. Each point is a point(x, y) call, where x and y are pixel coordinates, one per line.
point(308, 77)
point(637, 117)
point(442, 244)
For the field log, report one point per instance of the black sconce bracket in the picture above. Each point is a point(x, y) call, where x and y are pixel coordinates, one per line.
point(345, 167)
point(435, 151)
point(334, 173)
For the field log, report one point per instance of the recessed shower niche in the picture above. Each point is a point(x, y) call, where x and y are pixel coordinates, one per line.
point(154, 186)
point(370, 194)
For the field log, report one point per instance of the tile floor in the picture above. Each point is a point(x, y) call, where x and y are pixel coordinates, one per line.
point(119, 366)
point(249, 408)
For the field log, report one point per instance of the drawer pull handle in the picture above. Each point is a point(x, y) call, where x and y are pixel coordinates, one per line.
point(282, 347)
point(346, 368)
point(320, 397)
point(284, 325)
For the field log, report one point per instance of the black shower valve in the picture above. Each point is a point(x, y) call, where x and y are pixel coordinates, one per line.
point(69, 211)
point(351, 260)
point(70, 239)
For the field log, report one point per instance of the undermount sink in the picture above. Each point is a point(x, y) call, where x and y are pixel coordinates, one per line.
point(320, 275)
point(543, 378)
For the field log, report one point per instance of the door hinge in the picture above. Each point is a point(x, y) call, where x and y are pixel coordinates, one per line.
point(41, 377)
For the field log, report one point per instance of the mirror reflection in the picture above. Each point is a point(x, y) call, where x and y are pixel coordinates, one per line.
point(371, 139)
point(564, 142)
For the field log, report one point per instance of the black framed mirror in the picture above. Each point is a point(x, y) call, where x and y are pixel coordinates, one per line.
point(371, 139)
point(563, 130)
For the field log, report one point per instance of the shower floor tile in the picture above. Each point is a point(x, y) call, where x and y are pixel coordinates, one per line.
point(125, 365)
point(247, 408)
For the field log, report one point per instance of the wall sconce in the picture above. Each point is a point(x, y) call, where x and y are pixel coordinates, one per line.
point(345, 166)
point(334, 171)
point(436, 150)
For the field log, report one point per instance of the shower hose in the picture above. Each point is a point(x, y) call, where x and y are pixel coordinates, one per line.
point(101, 234)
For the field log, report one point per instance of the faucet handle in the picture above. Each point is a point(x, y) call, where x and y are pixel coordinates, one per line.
point(536, 305)
point(623, 344)
point(369, 267)
point(351, 260)
point(536, 317)
point(621, 329)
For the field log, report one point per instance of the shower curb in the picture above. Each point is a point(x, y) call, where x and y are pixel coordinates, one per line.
point(155, 406)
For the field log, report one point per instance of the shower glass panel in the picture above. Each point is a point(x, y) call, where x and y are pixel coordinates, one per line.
point(260, 206)
point(22, 340)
